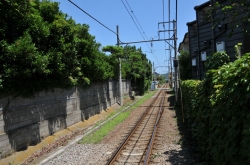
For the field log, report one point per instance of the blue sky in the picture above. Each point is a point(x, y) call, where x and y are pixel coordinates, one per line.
point(147, 12)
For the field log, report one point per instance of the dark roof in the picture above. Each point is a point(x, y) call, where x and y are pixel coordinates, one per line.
point(191, 23)
point(206, 4)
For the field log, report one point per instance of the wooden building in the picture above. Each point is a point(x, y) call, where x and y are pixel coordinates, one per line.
point(209, 34)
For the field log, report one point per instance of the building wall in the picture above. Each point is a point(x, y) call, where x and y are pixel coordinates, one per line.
point(193, 48)
point(205, 34)
point(186, 47)
point(223, 34)
point(27, 121)
point(206, 29)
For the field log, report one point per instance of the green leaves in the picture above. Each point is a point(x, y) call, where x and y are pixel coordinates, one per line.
point(42, 48)
point(219, 111)
point(135, 65)
point(234, 12)
point(185, 67)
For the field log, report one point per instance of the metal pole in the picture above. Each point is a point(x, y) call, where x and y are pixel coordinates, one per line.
point(176, 69)
point(179, 79)
point(120, 66)
point(153, 72)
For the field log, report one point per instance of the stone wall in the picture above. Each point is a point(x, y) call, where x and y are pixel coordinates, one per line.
point(26, 121)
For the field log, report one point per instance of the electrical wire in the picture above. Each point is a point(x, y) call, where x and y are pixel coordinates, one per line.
point(132, 19)
point(136, 19)
point(92, 17)
point(138, 27)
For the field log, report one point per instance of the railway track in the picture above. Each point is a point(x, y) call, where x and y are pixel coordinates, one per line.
point(137, 147)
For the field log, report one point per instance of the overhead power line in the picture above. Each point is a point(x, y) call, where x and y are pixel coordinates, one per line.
point(138, 27)
point(132, 19)
point(92, 17)
point(136, 19)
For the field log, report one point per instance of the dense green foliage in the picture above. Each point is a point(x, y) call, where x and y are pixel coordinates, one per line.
point(135, 65)
point(219, 109)
point(216, 61)
point(235, 12)
point(185, 66)
point(162, 79)
point(190, 102)
point(42, 48)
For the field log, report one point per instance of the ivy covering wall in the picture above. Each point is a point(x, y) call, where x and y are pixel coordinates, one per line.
point(217, 110)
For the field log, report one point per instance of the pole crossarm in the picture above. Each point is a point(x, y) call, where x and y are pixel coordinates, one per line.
point(166, 22)
point(122, 43)
point(170, 44)
point(159, 67)
point(165, 30)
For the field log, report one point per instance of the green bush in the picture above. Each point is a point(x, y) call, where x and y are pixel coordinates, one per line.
point(220, 109)
point(189, 94)
point(185, 66)
point(230, 116)
point(135, 65)
point(42, 48)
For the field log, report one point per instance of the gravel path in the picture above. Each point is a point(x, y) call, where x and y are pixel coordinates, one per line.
point(78, 154)
point(171, 152)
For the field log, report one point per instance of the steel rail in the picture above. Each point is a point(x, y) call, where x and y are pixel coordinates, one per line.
point(150, 145)
point(116, 153)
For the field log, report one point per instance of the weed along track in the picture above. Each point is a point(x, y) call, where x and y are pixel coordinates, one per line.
point(142, 137)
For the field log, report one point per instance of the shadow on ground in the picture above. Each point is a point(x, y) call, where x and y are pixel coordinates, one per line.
point(185, 155)
point(171, 99)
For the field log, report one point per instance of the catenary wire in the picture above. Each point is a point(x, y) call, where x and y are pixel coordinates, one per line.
point(92, 17)
point(139, 29)
point(132, 19)
point(151, 50)
point(136, 19)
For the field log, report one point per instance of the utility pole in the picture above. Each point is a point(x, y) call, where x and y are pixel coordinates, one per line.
point(153, 72)
point(120, 67)
point(176, 85)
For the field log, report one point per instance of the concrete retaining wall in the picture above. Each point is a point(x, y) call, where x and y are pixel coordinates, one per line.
point(26, 121)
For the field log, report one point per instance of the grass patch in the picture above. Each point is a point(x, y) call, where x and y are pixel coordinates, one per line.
point(98, 135)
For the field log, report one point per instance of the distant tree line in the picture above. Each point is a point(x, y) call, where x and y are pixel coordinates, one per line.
point(42, 48)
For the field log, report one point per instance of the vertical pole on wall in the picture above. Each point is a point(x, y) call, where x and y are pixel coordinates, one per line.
point(120, 66)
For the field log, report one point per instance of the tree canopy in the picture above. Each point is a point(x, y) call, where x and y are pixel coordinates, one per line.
point(43, 48)
point(135, 65)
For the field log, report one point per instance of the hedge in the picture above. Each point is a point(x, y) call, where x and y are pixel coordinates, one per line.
point(219, 107)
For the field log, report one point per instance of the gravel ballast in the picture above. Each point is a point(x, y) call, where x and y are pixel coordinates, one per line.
point(171, 152)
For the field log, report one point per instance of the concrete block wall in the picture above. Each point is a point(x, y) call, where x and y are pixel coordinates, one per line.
point(26, 121)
